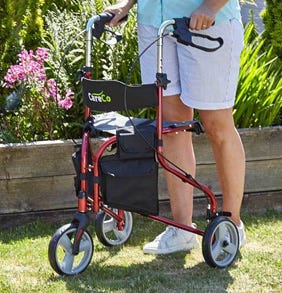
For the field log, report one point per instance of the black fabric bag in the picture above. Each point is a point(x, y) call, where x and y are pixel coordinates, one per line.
point(130, 184)
point(138, 142)
point(129, 179)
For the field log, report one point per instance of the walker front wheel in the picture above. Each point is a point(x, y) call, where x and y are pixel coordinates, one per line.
point(60, 252)
point(108, 231)
point(220, 243)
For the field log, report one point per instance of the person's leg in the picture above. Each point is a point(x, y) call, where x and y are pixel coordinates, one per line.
point(177, 146)
point(229, 156)
point(210, 86)
point(178, 149)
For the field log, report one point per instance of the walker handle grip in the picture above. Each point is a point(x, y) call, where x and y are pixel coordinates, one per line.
point(98, 27)
point(103, 18)
point(184, 35)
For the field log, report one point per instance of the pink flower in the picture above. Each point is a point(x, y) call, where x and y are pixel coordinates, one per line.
point(41, 55)
point(52, 88)
point(69, 94)
point(35, 71)
point(30, 74)
point(16, 73)
point(67, 102)
point(25, 57)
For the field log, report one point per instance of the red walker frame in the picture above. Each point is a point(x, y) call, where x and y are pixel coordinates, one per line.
point(96, 204)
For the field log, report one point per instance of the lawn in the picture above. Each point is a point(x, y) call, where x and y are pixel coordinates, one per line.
point(25, 266)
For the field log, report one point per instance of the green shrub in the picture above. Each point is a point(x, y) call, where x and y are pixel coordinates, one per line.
point(41, 103)
point(22, 27)
point(259, 90)
point(10, 16)
point(66, 46)
point(272, 18)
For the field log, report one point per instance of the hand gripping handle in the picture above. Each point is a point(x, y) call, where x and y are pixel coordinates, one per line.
point(184, 35)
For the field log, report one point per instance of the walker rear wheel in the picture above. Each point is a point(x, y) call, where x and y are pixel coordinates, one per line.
point(60, 252)
point(107, 229)
point(220, 243)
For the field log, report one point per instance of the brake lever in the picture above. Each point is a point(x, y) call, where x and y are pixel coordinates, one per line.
point(184, 35)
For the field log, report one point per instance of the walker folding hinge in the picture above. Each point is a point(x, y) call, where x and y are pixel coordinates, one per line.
point(162, 80)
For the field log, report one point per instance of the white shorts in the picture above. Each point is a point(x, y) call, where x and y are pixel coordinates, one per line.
point(204, 80)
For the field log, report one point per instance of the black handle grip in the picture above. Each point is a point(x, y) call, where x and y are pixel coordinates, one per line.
point(99, 25)
point(184, 35)
point(106, 17)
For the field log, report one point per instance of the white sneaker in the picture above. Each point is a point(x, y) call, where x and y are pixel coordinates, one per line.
point(242, 235)
point(172, 240)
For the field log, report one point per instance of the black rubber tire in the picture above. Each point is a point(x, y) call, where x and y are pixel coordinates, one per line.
point(60, 254)
point(220, 243)
point(107, 231)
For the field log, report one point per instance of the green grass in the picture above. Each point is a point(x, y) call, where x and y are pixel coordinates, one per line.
point(25, 266)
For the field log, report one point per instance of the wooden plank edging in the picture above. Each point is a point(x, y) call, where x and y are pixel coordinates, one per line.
point(39, 176)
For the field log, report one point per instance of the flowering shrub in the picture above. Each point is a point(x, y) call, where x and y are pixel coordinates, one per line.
point(30, 77)
point(42, 108)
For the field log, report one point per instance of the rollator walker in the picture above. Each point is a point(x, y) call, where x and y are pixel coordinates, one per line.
point(115, 185)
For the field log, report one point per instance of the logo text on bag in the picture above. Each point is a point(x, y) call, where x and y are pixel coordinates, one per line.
point(99, 97)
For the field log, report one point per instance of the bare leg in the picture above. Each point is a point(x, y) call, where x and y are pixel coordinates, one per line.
point(229, 156)
point(179, 150)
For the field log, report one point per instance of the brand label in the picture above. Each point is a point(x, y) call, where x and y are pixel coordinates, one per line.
point(99, 97)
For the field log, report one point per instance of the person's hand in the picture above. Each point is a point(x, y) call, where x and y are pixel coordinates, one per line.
point(202, 18)
point(120, 10)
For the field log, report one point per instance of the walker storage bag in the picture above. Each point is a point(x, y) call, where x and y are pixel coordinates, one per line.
point(129, 178)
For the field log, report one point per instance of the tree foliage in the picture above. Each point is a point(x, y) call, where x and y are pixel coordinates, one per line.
point(272, 18)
